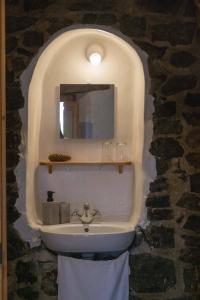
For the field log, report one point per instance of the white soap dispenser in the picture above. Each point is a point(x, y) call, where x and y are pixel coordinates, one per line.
point(51, 210)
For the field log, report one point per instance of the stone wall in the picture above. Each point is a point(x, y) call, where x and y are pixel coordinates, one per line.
point(165, 263)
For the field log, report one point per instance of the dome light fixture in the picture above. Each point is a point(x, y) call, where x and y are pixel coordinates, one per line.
point(95, 58)
point(94, 54)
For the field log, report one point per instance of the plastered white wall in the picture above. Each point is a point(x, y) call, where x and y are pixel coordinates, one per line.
point(113, 194)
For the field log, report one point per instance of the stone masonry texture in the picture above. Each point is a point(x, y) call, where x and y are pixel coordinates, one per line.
point(165, 262)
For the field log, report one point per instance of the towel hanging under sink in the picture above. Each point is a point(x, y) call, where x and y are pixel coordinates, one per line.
point(80, 279)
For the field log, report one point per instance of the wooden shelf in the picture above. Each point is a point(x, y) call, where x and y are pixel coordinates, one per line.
point(119, 164)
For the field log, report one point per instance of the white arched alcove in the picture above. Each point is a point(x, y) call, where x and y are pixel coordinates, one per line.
point(119, 197)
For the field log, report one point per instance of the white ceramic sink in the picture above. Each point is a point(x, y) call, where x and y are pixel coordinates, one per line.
point(101, 237)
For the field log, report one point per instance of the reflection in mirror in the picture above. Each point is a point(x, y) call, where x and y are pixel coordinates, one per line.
point(86, 111)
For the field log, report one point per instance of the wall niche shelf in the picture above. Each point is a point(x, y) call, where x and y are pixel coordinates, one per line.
point(119, 164)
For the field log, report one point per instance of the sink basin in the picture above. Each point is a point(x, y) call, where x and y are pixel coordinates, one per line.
point(101, 237)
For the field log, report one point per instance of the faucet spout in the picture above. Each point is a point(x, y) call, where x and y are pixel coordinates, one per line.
point(86, 209)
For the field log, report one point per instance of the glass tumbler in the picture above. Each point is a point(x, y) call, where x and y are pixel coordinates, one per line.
point(107, 151)
point(121, 151)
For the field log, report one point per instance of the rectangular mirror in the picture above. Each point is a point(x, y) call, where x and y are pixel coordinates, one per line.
point(86, 111)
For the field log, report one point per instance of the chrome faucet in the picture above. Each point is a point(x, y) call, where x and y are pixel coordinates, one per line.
point(87, 216)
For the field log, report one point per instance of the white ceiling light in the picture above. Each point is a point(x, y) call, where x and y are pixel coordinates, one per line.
point(95, 58)
point(94, 54)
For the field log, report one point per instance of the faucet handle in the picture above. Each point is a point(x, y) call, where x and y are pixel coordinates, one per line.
point(75, 213)
point(96, 212)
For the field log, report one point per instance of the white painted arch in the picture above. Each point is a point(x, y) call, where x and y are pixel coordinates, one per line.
point(63, 60)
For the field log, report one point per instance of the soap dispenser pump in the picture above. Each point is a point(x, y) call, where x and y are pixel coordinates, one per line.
point(50, 196)
point(51, 210)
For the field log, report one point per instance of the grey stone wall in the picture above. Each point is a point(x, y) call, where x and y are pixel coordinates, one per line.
point(165, 264)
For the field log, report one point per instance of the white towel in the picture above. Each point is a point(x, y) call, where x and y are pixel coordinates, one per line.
point(93, 280)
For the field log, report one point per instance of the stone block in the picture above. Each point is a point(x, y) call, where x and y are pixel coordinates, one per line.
point(159, 185)
point(160, 236)
point(152, 274)
point(158, 214)
point(14, 99)
point(33, 38)
point(190, 9)
point(11, 43)
point(18, 64)
point(49, 279)
point(27, 293)
point(44, 256)
point(132, 297)
point(158, 201)
point(13, 121)
point(194, 159)
point(167, 126)
point(14, 23)
point(90, 5)
point(180, 218)
point(13, 140)
point(164, 109)
point(191, 241)
point(161, 166)
point(192, 99)
point(178, 33)
point(25, 52)
point(10, 176)
point(189, 201)
point(9, 77)
point(12, 192)
point(16, 247)
point(193, 138)
point(194, 183)
point(192, 118)
point(190, 256)
point(166, 148)
point(11, 200)
point(36, 4)
point(11, 295)
point(193, 223)
point(26, 272)
point(157, 6)
point(57, 24)
point(179, 83)
point(190, 279)
point(12, 2)
point(183, 298)
point(89, 18)
point(158, 75)
point(182, 59)
point(152, 50)
point(12, 159)
point(106, 19)
point(12, 213)
point(133, 26)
